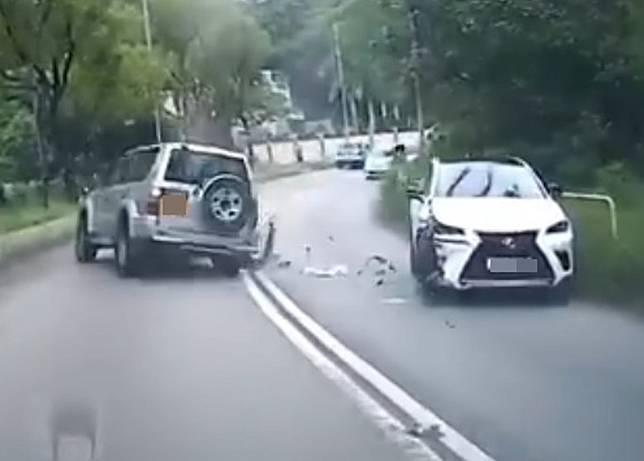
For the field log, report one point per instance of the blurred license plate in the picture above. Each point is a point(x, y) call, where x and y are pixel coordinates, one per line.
point(175, 204)
point(512, 265)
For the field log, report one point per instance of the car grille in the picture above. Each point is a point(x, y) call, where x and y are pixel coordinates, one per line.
point(496, 245)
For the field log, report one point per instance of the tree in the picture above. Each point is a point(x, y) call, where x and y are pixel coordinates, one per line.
point(217, 50)
point(45, 42)
point(16, 141)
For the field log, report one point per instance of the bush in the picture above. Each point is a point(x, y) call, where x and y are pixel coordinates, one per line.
point(609, 269)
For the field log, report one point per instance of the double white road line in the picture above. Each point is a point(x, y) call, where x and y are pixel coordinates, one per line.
point(330, 356)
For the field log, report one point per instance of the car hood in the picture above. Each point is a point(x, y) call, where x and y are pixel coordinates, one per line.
point(497, 214)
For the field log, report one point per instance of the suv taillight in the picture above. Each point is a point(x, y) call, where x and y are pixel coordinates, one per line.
point(153, 203)
point(153, 207)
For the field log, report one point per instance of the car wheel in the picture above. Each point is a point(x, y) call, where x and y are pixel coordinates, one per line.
point(127, 264)
point(85, 251)
point(422, 261)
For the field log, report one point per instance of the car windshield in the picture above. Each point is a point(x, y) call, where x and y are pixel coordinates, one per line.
point(487, 179)
point(193, 167)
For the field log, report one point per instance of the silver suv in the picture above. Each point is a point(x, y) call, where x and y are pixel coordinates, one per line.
point(168, 199)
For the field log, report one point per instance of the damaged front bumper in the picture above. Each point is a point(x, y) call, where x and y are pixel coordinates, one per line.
point(456, 255)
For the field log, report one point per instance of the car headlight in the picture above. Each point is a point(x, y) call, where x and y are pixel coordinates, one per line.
point(443, 229)
point(560, 227)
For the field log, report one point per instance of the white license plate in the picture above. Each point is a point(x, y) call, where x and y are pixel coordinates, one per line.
point(512, 265)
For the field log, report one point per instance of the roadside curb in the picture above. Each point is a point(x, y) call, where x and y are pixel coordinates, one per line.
point(29, 241)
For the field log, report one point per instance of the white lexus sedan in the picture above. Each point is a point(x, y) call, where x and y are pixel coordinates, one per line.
point(490, 223)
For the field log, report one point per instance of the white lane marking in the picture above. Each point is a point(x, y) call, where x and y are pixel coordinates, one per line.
point(422, 415)
point(390, 425)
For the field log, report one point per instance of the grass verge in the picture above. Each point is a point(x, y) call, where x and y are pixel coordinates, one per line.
point(607, 270)
point(14, 218)
point(36, 238)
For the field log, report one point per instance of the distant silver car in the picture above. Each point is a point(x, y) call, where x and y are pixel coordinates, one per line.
point(172, 199)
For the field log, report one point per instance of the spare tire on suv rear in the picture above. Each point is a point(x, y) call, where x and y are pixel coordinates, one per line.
point(228, 205)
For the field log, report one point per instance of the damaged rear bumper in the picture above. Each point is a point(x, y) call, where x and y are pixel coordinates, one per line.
point(252, 245)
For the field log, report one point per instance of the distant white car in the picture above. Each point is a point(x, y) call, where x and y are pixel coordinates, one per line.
point(378, 163)
point(486, 223)
point(351, 155)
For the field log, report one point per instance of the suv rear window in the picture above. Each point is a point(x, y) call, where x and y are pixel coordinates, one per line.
point(193, 167)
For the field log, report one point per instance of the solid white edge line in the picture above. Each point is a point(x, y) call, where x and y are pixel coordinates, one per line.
point(391, 426)
point(423, 416)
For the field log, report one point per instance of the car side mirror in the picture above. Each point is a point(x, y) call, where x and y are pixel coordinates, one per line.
point(415, 193)
point(555, 190)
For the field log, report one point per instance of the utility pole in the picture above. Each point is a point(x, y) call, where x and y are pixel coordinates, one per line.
point(148, 40)
point(343, 89)
point(372, 123)
point(415, 71)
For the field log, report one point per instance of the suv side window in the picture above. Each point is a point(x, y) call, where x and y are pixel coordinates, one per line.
point(141, 164)
point(120, 173)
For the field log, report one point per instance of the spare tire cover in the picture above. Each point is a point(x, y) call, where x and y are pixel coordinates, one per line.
point(228, 204)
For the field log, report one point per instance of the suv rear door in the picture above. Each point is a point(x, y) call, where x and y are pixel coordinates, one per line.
point(186, 174)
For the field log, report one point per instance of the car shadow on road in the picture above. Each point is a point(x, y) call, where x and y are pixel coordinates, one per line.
point(170, 269)
point(491, 299)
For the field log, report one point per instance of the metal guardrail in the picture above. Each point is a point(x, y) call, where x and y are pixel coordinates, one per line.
point(606, 199)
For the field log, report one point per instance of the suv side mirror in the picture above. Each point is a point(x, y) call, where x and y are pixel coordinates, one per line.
point(555, 190)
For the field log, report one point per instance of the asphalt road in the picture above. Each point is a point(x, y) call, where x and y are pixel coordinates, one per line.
point(522, 379)
point(175, 366)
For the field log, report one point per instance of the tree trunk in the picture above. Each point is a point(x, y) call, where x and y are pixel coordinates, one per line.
point(203, 128)
point(249, 147)
point(43, 154)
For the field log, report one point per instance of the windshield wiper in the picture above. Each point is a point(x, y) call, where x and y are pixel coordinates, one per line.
point(458, 181)
point(488, 185)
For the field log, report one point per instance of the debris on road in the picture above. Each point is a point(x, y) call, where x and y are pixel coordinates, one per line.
point(339, 270)
point(394, 301)
point(450, 325)
point(285, 264)
point(417, 430)
point(383, 266)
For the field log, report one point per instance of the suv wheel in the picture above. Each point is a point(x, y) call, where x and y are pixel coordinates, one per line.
point(85, 251)
point(228, 205)
point(127, 264)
